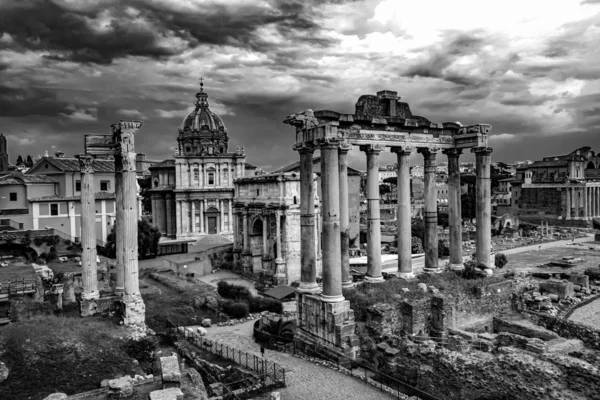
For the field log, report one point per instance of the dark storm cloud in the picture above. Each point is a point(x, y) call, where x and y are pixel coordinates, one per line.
point(22, 102)
point(69, 34)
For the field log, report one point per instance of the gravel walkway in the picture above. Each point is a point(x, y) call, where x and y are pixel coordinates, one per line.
point(588, 315)
point(306, 380)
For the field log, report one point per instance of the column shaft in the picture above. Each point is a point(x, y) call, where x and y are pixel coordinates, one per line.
point(278, 234)
point(308, 260)
point(119, 233)
point(230, 222)
point(344, 217)
point(88, 229)
point(483, 240)
point(430, 212)
point(193, 216)
point(246, 233)
point(568, 201)
point(178, 217)
point(403, 213)
point(221, 215)
point(265, 222)
point(330, 186)
point(373, 215)
point(169, 207)
point(454, 209)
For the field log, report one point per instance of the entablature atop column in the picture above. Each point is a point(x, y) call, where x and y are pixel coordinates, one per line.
point(378, 120)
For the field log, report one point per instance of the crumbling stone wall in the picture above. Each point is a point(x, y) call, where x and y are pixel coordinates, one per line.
point(568, 329)
point(546, 200)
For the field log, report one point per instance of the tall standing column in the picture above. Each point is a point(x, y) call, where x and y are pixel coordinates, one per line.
point(403, 213)
point(133, 305)
point(483, 194)
point(595, 201)
point(119, 233)
point(330, 191)
point(568, 201)
point(454, 211)
point(266, 258)
point(373, 215)
point(246, 253)
point(430, 211)
point(344, 217)
point(178, 217)
point(230, 219)
point(202, 216)
point(193, 217)
point(308, 259)
point(88, 234)
point(221, 216)
point(169, 207)
point(280, 275)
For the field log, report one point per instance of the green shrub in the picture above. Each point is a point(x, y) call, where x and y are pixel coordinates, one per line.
point(259, 304)
point(500, 260)
point(38, 241)
point(236, 309)
point(593, 273)
point(234, 292)
point(443, 249)
point(416, 245)
point(143, 351)
point(26, 240)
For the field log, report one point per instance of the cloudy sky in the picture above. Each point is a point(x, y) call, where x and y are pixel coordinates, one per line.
point(530, 68)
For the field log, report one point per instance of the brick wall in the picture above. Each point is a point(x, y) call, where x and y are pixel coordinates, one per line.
point(546, 200)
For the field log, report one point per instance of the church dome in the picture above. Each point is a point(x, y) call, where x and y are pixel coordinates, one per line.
point(202, 118)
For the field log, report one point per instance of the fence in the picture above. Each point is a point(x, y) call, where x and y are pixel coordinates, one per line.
point(272, 374)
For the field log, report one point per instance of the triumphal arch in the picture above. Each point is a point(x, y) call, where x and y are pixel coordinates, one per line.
point(379, 123)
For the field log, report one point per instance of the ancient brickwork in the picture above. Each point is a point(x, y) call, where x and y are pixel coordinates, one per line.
point(545, 200)
point(568, 329)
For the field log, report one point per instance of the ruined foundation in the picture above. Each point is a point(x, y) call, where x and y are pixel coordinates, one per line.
point(133, 311)
point(328, 325)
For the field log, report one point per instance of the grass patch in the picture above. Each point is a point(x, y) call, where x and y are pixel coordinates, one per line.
point(48, 354)
point(390, 291)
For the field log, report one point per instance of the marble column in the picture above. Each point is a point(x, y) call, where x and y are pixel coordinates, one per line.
point(344, 217)
point(483, 214)
point(246, 253)
point(595, 201)
point(88, 232)
point(568, 201)
point(403, 213)
point(178, 218)
point(373, 215)
point(193, 218)
point(169, 207)
point(280, 276)
point(230, 210)
point(308, 259)
point(120, 284)
point(330, 192)
point(202, 216)
point(222, 216)
point(265, 255)
point(454, 209)
point(430, 211)
point(133, 304)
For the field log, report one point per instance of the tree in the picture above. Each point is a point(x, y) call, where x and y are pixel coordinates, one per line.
point(418, 229)
point(500, 260)
point(20, 161)
point(443, 220)
point(148, 237)
point(416, 245)
point(443, 249)
point(29, 162)
point(467, 206)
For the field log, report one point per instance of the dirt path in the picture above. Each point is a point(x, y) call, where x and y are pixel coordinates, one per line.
point(306, 379)
point(588, 315)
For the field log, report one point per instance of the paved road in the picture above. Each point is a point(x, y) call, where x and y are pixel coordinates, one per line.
point(588, 314)
point(306, 379)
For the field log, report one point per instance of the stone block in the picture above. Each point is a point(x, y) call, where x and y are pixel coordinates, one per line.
point(123, 386)
point(206, 322)
point(463, 334)
point(3, 371)
point(564, 346)
point(216, 388)
point(561, 288)
point(523, 328)
point(275, 396)
point(202, 331)
point(383, 346)
point(391, 351)
point(170, 369)
point(56, 396)
point(167, 394)
point(581, 280)
point(536, 346)
point(487, 336)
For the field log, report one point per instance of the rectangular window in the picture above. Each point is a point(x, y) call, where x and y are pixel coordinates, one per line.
point(104, 186)
point(13, 196)
point(54, 209)
point(78, 186)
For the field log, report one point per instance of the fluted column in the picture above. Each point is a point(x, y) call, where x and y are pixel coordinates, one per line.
point(134, 308)
point(88, 229)
point(246, 253)
point(568, 201)
point(193, 224)
point(308, 257)
point(230, 228)
point(169, 207)
point(430, 211)
point(483, 194)
point(265, 254)
point(454, 209)
point(178, 217)
point(403, 213)
point(221, 215)
point(596, 202)
point(330, 190)
point(373, 215)
point(119, 233)
point(202, 216)
point(344, 217)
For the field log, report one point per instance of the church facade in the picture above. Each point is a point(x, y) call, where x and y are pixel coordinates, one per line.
point(192, 194)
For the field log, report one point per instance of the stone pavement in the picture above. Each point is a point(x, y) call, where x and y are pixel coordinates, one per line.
point(588, 315)
point(306, 380)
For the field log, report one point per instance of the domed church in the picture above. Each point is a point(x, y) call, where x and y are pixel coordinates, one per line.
point(192, 194)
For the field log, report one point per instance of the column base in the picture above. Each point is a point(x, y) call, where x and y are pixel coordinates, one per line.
point(90, 295)
point(119, 291)
point(88, 307)
point(247, 261)
point(133, 311)
point(348, 284)
point(266, 263)
point(428, 270)
point(374, 279)
point(407, 276)
point(332, 299)
point(457, 267)
point(311, 288)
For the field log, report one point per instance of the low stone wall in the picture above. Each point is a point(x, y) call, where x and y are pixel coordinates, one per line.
point(200, 263)
point(567, 329)
point(141, 391)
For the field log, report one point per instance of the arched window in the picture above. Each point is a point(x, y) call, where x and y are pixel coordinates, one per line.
point(211, 178)
point(155, 182)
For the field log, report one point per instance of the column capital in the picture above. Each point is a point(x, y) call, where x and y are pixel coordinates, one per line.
point(304, 147)
point(428, 152)
point(372, 148)
point(402, 150)
point(452, 152)
point(485, 151)
point(345, 147)
point(328, 143)
point(86, 163)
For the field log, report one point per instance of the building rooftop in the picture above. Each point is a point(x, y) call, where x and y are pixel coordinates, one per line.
point(296, 167)
point(56, 197)
point(18, 178)
point(71, 164)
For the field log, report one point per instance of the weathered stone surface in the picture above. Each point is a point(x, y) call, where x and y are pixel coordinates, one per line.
point(56, 396)
point(275, 396)
point(3, 372)
point(167, 394)
point(104, 383)
point(170, 369)
point(561, 288)
point(121, 385)
point(581, 280)
point(422, 287)
point(564, 346)
point(523, 328)
point(206, 322)
point(202, 331)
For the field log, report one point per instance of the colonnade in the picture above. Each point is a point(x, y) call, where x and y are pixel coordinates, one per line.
point(198, 174)
point(188, 210)
point(582, 202)
point(334, 189)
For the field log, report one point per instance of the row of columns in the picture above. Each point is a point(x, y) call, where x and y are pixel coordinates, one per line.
point(334, 189)
point(186, 216)
point(582, 202)
point(223, 174)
